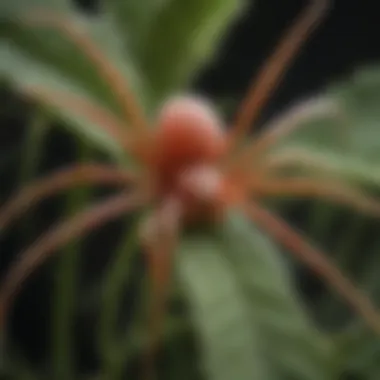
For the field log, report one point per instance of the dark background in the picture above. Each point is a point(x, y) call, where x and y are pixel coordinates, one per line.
point(347, 39)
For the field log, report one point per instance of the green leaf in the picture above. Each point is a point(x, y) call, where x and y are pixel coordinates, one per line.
point(11, 8)
point(311, 160)
point(183, 37)
point(24, 72)
point(31, 56)
point(219, 310)
point(51, 47)
point(113, 350)
point(63, 350)
point(346, 146)
point(293, 347)
point(359, 352)
point(361, 96)
point(56, 50)
point(133, 20)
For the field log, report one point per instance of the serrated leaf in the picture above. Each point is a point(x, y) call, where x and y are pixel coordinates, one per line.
point(228, 338)
point(293, 347)
point(182, 37)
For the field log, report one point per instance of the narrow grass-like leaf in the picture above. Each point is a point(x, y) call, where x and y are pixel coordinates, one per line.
point(111, 347)
point(66, 288)
point(33, 143)
point(33, 147)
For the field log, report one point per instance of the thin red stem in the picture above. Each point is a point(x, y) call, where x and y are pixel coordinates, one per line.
point(160, 237)
point(273, 69)
point(124, 95)
point(90, 110)
point(325, 189)
point(61, 180)
point(297, 117)
point(59, 235)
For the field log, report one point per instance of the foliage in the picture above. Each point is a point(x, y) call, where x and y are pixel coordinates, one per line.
point(244, 310)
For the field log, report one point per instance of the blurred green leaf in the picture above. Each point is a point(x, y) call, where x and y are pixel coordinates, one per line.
point(310, 160)
point(133, 20)
point(346, 146)
point(25, 72)
point(358, 348)
point(359, 352)
point(293, 347)
point(63, 349)
point(51, 47)
point(12, 8)
point(361, 97)
point(219, 309)
point(183, 36)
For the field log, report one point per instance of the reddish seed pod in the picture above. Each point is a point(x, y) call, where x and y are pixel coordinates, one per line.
point(189, 133)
